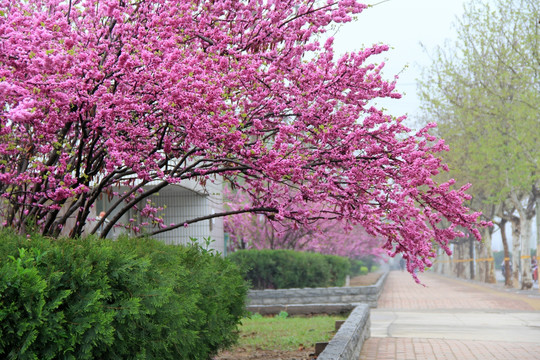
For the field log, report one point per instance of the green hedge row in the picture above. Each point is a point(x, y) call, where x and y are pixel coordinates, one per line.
point(358, 267)
point(125, 299)
point(282, 269)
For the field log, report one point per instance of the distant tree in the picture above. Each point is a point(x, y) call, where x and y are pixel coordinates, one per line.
point(484, 91)
point(102, 95)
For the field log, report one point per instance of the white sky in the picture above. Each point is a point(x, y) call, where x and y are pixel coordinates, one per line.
point(404, 25)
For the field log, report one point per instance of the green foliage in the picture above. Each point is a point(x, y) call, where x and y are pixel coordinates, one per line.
point(282, 269)
point(483, 92)
point(339, 269)
point(363, 266)
point(127, 299)
point(358, 268)
point(283, 314)
point(255, 316)
point(369, 262)
point(499, 257)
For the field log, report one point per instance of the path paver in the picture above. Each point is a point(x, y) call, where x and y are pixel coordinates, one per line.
point(439, 292)
point(446, 349)
point(452, 319)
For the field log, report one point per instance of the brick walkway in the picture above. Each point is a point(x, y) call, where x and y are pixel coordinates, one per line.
point(447, 349)
point(401, 292)
point(440, 300)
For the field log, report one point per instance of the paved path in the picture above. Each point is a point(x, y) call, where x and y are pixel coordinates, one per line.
point(452, 319)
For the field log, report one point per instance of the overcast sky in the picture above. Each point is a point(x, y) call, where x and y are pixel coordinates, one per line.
point(403, 25)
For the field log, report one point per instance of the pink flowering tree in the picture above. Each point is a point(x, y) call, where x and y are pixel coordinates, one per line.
point(257, 231)
point(111, 94)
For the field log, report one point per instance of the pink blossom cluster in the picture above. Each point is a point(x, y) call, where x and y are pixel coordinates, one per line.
point(105, 94)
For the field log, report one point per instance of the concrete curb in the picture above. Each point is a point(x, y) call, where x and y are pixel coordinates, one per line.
point(271, 298)
point(302, 309)
point(348, 341)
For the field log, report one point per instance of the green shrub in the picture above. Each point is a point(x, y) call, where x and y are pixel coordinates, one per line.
point(363, 266)
point(357, 267)
point(369, 262)
point(282, 269)
point(339, 269)
point(125, 299)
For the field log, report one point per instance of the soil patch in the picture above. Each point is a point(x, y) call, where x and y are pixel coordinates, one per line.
point(366, 280)
point(249, 354)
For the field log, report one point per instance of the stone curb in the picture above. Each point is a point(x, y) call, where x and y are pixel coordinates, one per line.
point(302, 309)
point(332, 295)
point(380, 283)
point(348, 341)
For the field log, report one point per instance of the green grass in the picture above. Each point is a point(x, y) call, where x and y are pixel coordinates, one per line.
point(285, 333)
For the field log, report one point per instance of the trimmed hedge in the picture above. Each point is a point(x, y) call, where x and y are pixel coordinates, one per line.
point(126, 299)
point(358, 268)
point(283, 269)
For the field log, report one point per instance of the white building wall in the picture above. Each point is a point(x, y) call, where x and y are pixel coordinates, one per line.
point(182, 203)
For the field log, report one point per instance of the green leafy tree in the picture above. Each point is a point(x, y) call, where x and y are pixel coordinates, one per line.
point(484, 92)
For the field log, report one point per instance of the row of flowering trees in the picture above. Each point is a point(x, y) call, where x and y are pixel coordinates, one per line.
point(324, 236)
point(126, 97)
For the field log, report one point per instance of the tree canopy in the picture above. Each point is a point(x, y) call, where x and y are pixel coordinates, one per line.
point(100, 95)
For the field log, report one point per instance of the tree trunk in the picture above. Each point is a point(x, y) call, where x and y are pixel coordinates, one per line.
point(480, 254)
point(526, 214)
point(437, 264)
point(458, 257)
point(445, 264)
point(467, 259)
point(489, 275)
point(538, 238)
point(515, 251)
point(471, 242)
point(461, 268)
point(507, 275)
point(526, 274)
